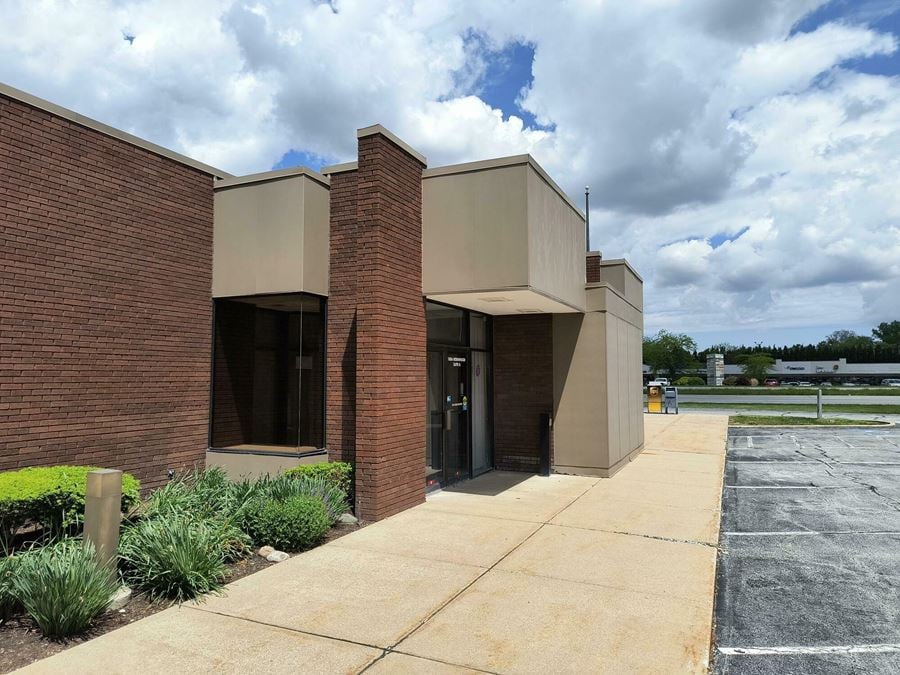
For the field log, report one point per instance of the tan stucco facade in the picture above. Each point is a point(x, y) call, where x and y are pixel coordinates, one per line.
point(501, 225)
point(271, 234)
point(597, 426)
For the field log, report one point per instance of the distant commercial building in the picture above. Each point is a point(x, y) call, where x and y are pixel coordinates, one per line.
point(835, 372)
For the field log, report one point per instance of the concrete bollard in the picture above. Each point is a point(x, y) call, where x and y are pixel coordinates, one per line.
point(103, 514)
point(819, 404)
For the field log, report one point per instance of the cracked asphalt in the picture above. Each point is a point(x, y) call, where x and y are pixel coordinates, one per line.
point(808, 579)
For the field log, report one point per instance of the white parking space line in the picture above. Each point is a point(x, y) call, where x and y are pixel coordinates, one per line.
point(803, 461)
point(795, 487)
point(829, 649)
point(800, 533)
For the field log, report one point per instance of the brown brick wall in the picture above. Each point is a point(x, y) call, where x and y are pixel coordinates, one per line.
point(390, 331)
point(523, 388)
point(104, 300)
point(340, 372)
point(592, 268)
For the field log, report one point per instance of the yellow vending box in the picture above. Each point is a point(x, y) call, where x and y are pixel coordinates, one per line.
point(654, 398)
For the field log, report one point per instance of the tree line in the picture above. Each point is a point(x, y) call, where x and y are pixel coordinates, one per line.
point(883, 346)
point(677, 353)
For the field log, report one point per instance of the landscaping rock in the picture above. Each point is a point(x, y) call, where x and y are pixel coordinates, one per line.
point(265, 551)
point(119, 599)
point(348, 519)
point(277, 556)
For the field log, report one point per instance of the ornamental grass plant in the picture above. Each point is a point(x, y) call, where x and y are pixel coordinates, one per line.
point(178, 557)
point(62, 587)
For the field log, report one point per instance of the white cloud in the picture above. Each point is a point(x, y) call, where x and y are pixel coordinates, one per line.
point(688, 119)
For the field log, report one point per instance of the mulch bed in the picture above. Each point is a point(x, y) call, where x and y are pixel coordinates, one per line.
point(21, 641)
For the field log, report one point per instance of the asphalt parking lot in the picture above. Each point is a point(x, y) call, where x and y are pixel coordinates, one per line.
point(809, 571)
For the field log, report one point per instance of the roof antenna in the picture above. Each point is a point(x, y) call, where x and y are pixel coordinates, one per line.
point(587, 217)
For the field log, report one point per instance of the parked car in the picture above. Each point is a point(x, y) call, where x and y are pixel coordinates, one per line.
point(890, 382)
point(771, 382)
point(804, 383)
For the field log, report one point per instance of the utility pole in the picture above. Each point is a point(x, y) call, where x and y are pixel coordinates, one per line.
point(587, 217)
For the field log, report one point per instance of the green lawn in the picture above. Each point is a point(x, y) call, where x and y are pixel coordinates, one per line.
point(791, 391)
point(800, 407)
point(778, 420)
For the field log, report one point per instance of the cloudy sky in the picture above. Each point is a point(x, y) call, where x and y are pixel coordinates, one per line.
point(743, 154)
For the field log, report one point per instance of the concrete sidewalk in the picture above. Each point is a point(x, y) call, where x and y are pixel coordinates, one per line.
point(508, 573)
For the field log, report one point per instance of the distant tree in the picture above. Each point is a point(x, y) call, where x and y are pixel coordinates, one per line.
point(721, 348)
point(888, 332)
point(846, 340)
point(756, 365)
point(670, 353)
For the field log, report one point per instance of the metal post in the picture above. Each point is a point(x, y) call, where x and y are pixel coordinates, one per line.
point(587, 217)
point(103, 514)
point(818, 404)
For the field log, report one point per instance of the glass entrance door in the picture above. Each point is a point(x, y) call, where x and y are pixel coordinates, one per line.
point(456, 416)
point(447, 440)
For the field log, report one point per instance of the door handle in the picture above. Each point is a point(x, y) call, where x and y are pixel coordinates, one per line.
point(448, 420)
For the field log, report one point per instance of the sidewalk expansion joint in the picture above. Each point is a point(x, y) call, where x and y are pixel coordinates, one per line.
point(671, 540)
point(287, 628)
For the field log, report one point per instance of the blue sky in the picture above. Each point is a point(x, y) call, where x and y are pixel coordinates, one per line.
point(743, 155)
point(507, 72)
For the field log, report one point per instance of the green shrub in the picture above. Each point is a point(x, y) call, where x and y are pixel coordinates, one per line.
point(338, 473)
point(730, 381)
point(8, 602)
point(177, 557)
point(295, 524)
point(282, 488)
point(50, 496)
point(690, 381)
point(62, 587)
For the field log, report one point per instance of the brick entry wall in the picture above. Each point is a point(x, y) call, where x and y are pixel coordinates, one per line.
point(523, 388)
point(104, 300)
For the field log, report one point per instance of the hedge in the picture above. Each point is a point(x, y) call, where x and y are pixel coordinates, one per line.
point(50, 496)
point(690, 381)
point(338, 473)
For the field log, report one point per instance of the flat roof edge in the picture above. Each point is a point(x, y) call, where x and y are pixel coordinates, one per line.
point(605, 285)
point(344, 167)
point(105, 129)
point(501, 162)
point(403, 145)
point(622, 261)
point(277, 174)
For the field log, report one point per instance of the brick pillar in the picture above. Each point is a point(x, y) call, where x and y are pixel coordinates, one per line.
point(390, 328)
point(340, 373)
point(592, 267)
